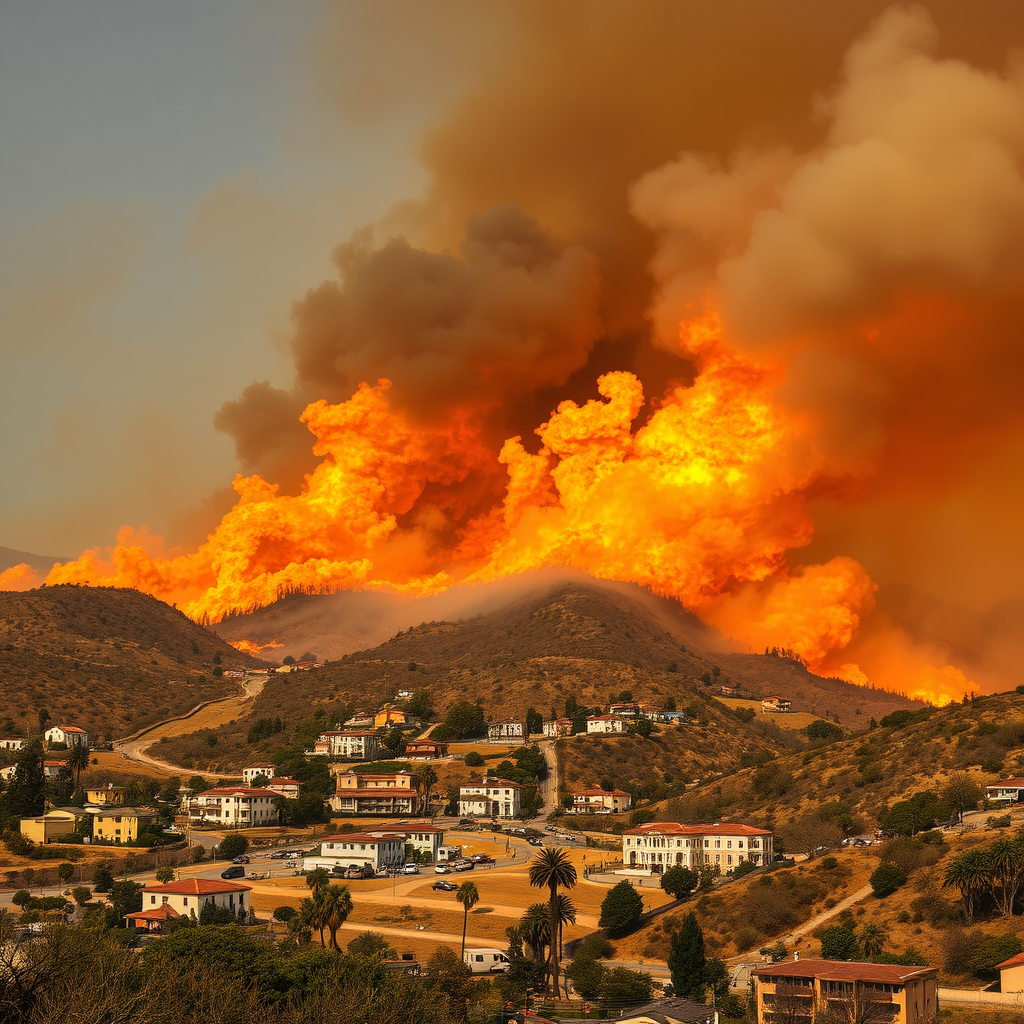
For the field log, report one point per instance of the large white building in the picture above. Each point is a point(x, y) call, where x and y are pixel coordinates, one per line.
point(490, 798)
point(601, 801)
point(11, 743)
point(69, 735)
point(187, 898)
point(606, 724)
point(354, 744)
point(660, 845)
point(508, 731)
point(378, 849)
point(235, 806)
point(255, 770)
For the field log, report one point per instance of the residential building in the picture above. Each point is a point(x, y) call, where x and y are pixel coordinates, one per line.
point(188, 898)
point(377, 849)
point(632, 709)
point(508, 731)
point(671, 717)
point(388, 717)
point(601, 801)
point(354, 744)
point(7, 772)
point(51, 769)
point(490, 798)
point(426, 839)
point(288, 788)
point(776, 704)
point(255, 770)
point(558, 728)
point(1011, 790)
point(235, 806)
point(360, 720)
point(105, 796)
point(659, 845)
point(153, 920)
point(69, 735)
point(1011, 974)
point(120, 824)
point(798, 989)
point(668, 1010)
point(425, 750)
point(606, 724)
point(49, 826)
point(383, 793)
point(11, 743)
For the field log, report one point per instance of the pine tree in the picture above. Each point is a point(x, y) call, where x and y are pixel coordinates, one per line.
point(686, 960)
point(26, 792)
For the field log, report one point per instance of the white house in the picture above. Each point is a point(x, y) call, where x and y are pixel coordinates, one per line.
point(631, 709)
point(606, 724)
point(235, 806)
point(253, 771)
point(12, 743)
point(69, 735)
point(1009, 789)
point(508, 731)
point(490, 798)
point(776, 704)
point(601, 801)
point(425, 838)
point(187, 898)
point(355, 744)
point(288, 788)
point(660, 845)
point(558, 728)
point(378, 849)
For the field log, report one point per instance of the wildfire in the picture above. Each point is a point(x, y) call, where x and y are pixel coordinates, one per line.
point(253, 647)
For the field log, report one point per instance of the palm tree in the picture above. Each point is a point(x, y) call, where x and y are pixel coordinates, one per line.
point(566, 915)
point(872, 940)
point(428, 779)
point(335, 906)
point(310, 911)
point(78, 761)
point(552, 869)
point(535, 929)
point(970, 874)
point(469, 896)
point(1006, 866)
point(317, 879)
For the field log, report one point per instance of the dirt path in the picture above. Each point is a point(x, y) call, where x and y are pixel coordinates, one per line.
point(214, 713)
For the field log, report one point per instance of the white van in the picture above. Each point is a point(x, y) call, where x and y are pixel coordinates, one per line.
point(485, 960)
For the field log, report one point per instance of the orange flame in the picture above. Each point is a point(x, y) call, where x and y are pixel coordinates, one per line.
point(253, 647)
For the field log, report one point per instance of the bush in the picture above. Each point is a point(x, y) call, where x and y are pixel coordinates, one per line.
point(640, 817)
point(994, 950)
point(839, 943)
point(886, 879)
point(102, 879)
point(284, 914)
point(822, 730)
point(474, 759)
point(871, 771)
point(897, 719)
point(828, 864)
point(744, 868)
point(621, 908)
point(679, 881)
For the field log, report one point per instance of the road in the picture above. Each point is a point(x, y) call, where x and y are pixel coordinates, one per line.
point(217, 712)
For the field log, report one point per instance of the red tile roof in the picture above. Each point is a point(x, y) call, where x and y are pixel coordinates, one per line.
point(196, 887)
point(839, 970)
point(364, 837)
point(1014, 961)
point(602, 792)
point(1007, 784)
point(162, 913)
point(673, 828)
point(244, 791)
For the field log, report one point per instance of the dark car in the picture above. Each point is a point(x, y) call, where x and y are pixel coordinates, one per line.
point(467, 821)
point(280, 855)
point(233, 872)
point(442, 885)
point(535, 841)
point(481, 858)
point(241, 860)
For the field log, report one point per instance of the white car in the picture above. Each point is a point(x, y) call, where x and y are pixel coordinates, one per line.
point(411, 869)
point(442, 869)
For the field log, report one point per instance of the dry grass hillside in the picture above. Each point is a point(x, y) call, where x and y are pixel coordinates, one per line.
point(109, 661)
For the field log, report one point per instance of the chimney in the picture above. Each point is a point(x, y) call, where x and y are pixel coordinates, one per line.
point(796, 954)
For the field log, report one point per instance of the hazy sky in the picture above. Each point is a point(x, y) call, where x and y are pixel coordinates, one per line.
point(168, 185)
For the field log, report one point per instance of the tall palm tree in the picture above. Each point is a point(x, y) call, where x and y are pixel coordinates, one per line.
point(469, 896)
point(535, 929)
point(428, 779)
point(311, 912)
point(317, 879)
point(78, 761)
point(872, 940)
point(969, 873)
point(552, 869)
point(1006, 864)
point(566, 915)
point(335, 906)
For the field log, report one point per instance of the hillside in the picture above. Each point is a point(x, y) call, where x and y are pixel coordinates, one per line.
point(9, 557)
point(109, 661)
point(573, 640)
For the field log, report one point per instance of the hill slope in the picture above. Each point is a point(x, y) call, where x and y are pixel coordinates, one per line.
point(107, 660)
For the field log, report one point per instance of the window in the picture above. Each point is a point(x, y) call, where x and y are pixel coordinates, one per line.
point(152, 899)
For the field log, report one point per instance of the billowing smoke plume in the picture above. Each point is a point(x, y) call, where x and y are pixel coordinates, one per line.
point(833, 335)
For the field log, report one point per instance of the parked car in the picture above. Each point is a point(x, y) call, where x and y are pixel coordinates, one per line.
point(535, 841)
point(233, 872)
point(442, 869)
point(443, 885)
point(243, 859)
point(411, 869)
point(279, 855)
point(467, 821)
point(550, 828)
point(481, 858)
point(463, 865)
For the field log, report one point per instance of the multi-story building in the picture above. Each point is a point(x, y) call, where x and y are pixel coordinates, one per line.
point(283, 786)
point(606, 724)
point(776, 704)
point(69, 735)
point(490, 798)
point(800, 989)
point(255, 770)
point(105, 796)
point(601, 801)
point(660, 845)
point(235, 806)
point(389, 716)
point(161, 903)
point(384, 793)
point(632, 709)
point(377, 849)
point(353, 744)
point(508, 731)
point(558, 728)
point(426, 839)
point(425, 750)
point(120, 824)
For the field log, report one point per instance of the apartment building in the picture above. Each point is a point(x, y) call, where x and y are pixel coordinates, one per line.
point(606, 724)
point(377, 849)
point(660, 845)
point(235, 806)
point(508, 731)
point(601, 801)
point(490, 798)
point(384, 793)
point(558, 728)
point(353, 745)
point(255, 770)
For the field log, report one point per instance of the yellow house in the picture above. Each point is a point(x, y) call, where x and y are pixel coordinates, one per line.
point(121, 824)
point(105, 795)
point(392, 716)
point(45, 828)
point(1011, 974)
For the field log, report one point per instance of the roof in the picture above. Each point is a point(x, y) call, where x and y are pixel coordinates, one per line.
point(245, 791)
point(786, 699)
point(346, 732)
point(505, 721)
point(674, 828)
point(405, 794)
point(259, 764)
point(377, 775)
point(120, 811)
point(365, 837)
point(595, 791)
point(606, 718)
point(491, 784)
point(72, 728)
point(841, 970)
point(282, 782)
point(196, 887)
point(162, 913)
point(668, 1011)
point(1007, 784)
point(426, 742)
point(1014, 961)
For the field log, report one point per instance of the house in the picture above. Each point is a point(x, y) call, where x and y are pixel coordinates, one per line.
point(258, 768)
point(69, 735)
point(288, 788)
point(7, 772)
point(490, 798)
point(797, 990)
point(427, 839)
point(235, 806)
point(659, 845)
point(355, 745)
point(360, 720)
point(11, 743)
point(377, 849)
point(153, 920)
point(669, 1010)
point(1011, 790)
point(606, 724)
point(404, 694)
point(105, 795)
point(425, 750)
point(601, 801)
point(380, 793)
point(120, 824)
point(49, 826)
point(508, 731)
point(51, 769)
point(389, 717)
point(671, 717)
point(558, 728)
point(187, 899)
point(776, 705)
point(631, 709)
point(1011, 974)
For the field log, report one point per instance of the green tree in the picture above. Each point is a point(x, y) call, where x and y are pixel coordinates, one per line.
point(534, 721)
point(22, 898)
point(872, 940)
point(165, 874)
point(621, 986)
point(822, 730)
point(102, 879)
point(839, 943)
point(586, 974)
point(1006, 872)
point(420, 705)
point(370, 943)
point(621, 908)
point(197, 784)
point(81, 894)
point(886, 879)
point(65, 872)
point(643, 727)
point(961, 794)
point(679, 881)
point(317, 879)
point(552, 869)
point(234, 844)
point(428, 780)
point(469, 896)
point(78, 761)
point(125, 898)
point(26, 790)
point(994, 950)
point(464, 719)
point(336, 905)
point(474, 759)
point(969, 874)
point(686, 960)
point(284, 914)
point(535, 930)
